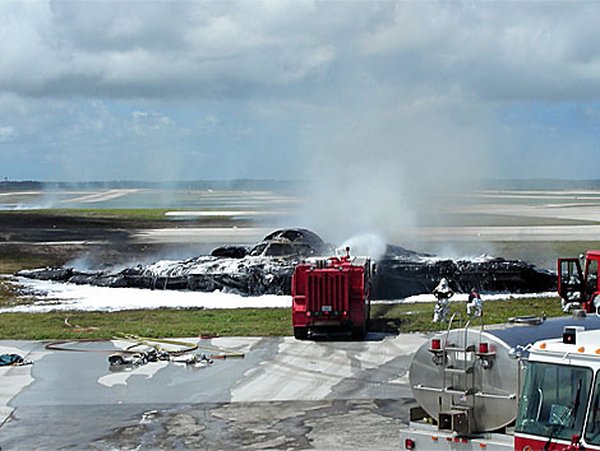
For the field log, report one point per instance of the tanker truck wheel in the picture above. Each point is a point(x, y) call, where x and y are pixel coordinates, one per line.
point(300, 333)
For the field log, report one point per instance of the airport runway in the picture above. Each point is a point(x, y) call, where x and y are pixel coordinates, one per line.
point(470, 234)
point(284, 394)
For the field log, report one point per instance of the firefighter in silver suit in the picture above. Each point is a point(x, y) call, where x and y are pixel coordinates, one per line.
point(442, 293)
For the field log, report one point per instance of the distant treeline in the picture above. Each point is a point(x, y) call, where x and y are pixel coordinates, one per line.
point(273, 185)
point(235, 185)
point(541, 184)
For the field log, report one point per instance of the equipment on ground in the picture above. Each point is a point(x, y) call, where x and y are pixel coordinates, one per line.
point(579, 288)
point(143, 350)
point(331, 294)
point(467, 383)
point(13, 360)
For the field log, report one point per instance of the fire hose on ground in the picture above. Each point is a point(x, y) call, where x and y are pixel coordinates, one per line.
point(154, 352)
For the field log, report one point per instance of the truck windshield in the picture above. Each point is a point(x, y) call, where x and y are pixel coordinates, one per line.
point(554, 400)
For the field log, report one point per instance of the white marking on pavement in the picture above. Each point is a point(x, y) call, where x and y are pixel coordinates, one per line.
point(375, 356)
point(120, 378)
point(300, 370)
point(15, 378)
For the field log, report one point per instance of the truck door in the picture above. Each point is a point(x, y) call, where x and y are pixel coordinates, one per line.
point(592, 429)
point(570, 280)
point(591, 280)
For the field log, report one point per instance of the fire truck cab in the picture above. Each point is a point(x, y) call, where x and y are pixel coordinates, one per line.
point(559, 407)
point(529, 386)
point(332, 294)
point(580, 288)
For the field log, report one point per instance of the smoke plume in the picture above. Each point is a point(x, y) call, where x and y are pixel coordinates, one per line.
point(383, 169)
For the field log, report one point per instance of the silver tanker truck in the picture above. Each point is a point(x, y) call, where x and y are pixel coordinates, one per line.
point(467, 382)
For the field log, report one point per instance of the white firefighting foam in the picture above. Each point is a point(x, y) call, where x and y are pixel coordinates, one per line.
point(65, 296)
point(55, 296)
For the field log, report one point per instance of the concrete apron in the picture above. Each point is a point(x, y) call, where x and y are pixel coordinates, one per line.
point(274, 370)
point(16, 378)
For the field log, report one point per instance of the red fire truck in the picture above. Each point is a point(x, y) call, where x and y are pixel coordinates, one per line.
point(332, 294)
point(579, 288)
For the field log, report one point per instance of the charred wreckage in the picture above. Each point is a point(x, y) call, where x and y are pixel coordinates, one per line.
point(267, 268)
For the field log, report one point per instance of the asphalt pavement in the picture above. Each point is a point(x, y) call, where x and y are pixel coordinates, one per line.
point(282, 394)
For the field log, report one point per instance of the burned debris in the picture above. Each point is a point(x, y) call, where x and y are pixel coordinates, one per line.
point(267, 268)
point(401, 276)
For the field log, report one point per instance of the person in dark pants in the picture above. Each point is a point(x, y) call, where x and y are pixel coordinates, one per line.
point(474, 304)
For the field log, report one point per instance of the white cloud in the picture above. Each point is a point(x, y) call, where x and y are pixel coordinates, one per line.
point(162, 49)
point(155, 49)
point(7, 133)
point(145, 123)
point(276, 78)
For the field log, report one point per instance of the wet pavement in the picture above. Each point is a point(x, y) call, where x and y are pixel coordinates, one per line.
point(284, 394)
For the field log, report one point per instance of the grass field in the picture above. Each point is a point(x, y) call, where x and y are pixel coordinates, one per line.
point(149, 323)
point(424, 218)
point(12, 262)
point(137, 214)
point(417, 317)
point(389, 318)
point(126, 217)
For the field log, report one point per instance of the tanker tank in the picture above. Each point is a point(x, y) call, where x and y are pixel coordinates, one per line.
point(468, 380)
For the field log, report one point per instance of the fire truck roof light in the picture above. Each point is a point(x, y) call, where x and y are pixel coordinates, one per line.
point(570, 334)
point(569, 337)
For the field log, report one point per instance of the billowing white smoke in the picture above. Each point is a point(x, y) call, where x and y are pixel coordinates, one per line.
point(83, 263)
point(368, 244)
point(30, 200)
point(382, 169)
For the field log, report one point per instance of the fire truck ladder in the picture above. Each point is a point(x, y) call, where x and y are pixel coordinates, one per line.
point(458, 361)
point(458, 382)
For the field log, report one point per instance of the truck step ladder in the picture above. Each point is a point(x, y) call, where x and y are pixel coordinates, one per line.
point(458, 380)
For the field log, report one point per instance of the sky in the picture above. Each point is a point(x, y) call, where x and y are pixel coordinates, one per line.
point(392, 96)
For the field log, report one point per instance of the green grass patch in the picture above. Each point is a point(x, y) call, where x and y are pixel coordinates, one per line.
point(126, 217)
point(7, 294)
point(417, 317)
point(14, 263)
point(136, 214)
point(164, 323)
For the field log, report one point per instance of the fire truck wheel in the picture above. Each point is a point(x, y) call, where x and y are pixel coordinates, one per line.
point(300, 333)
point(359, 333)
